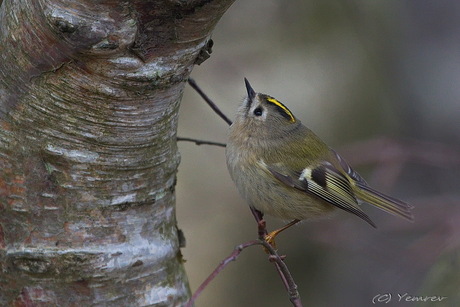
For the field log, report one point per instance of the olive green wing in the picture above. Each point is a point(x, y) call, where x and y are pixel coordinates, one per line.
point(373, 197)
point(323, 181)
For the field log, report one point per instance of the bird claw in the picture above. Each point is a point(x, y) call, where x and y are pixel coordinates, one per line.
point(270, 239)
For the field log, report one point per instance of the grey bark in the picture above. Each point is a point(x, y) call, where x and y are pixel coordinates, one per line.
point(89, 98)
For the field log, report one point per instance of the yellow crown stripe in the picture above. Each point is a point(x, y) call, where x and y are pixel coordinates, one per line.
point(282, 106)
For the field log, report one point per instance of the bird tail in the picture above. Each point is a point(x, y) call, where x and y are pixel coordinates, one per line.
point(384, 202)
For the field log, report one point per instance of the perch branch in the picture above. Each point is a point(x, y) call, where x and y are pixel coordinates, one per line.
point(282, 268)
point(232, 257)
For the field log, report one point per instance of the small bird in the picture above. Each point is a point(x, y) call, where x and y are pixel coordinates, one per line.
point(281, 168)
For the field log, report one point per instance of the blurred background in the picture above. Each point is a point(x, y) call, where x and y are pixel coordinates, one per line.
point(379, 82)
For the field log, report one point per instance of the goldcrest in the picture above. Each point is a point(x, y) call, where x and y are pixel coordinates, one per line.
point(282, 169)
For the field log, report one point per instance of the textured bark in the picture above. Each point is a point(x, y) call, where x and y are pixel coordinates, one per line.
point(89, 98)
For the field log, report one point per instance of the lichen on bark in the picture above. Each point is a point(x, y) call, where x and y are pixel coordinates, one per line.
point(89, 98)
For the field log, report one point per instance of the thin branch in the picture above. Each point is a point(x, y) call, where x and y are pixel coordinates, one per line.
point(383, 150)
point(286, 276)
point(282, 268)
point(201, 142)
point(232, 257)
point(391, 156)
point(209, 101)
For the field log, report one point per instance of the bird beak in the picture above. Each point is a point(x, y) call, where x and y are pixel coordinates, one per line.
point(251, 92)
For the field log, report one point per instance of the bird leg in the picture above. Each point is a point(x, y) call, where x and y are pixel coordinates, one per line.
point(270, 238)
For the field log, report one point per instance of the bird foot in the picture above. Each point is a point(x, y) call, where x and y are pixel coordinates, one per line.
point(270, 239)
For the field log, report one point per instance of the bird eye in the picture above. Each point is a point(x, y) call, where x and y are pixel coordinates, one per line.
point(258, 111)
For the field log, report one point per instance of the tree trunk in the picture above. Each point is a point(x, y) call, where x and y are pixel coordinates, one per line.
point(89, 94)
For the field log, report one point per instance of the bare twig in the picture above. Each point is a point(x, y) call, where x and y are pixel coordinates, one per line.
point(383, 150)
point(282, 268)
point(261, 225)
point(285, 275)
point(209, 101)
point(391, 156)
point(201, 142)
point(232, 257)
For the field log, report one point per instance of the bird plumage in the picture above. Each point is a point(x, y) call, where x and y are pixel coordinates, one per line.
point(283, 169)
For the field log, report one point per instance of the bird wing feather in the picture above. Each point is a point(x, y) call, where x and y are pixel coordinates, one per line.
point(323, 181)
